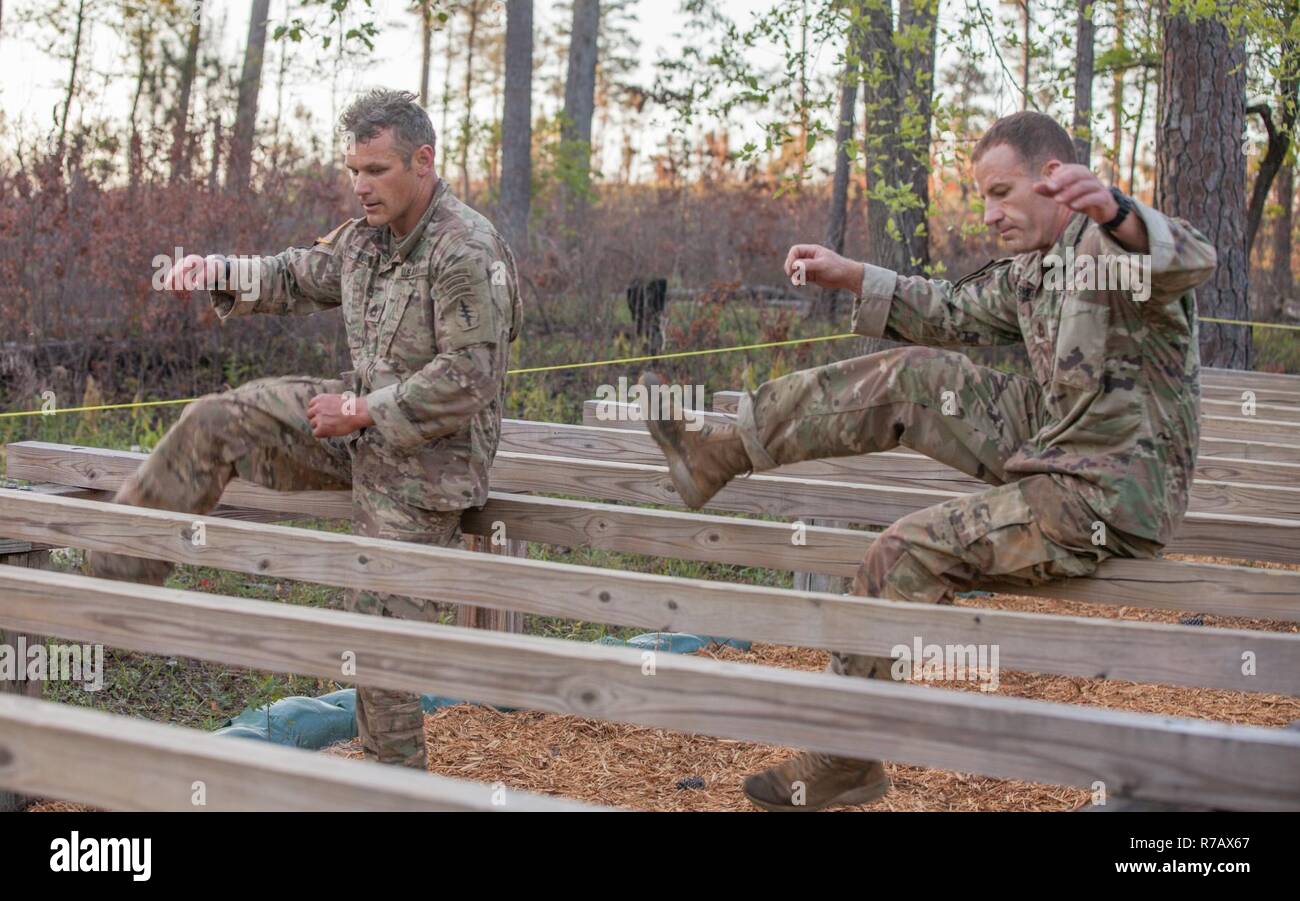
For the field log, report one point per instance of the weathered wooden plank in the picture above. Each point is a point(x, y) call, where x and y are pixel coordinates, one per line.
point(1218, 375)
point(1138, 756)
point(120, 763)
point(1219, 421)
point(32, 556)
point(1117, 649)
point(1221, 535)
point(1226, 590)
point(1215, 406)
point(896, 467)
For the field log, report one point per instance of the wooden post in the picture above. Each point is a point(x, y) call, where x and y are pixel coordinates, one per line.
point(489, 617)
point(19, 553)
point(821, 581)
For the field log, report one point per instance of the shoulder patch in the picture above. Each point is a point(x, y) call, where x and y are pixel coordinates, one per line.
point(329, 239)
point(991, 264)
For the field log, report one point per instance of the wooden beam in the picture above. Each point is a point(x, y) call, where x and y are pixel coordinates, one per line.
point(1220, 376)
point(1176, 585)
point(915, 471)
point(1088, 646)
point(1134, 755)
point(1226, 440)
point(896, 467)
point(121, 763)
point(1213, 534)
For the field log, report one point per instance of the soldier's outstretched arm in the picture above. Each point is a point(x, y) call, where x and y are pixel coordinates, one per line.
point(978, 310)
point(1181, 257)
point(296, 281)
point(476, 305)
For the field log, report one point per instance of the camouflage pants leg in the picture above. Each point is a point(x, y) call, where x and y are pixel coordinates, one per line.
point(936, 402)
point(391, 723)
point(258, 431)
point(970, 417)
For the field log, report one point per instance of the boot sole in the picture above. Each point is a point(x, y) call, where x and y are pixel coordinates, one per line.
point(863, 795)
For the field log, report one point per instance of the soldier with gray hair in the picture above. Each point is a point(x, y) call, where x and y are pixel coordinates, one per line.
point(1091, 457)
point(429, 298)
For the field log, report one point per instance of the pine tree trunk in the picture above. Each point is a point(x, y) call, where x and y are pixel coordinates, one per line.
point(240, 161)
point(180, 153)
point(580, 94)
point(426, 50)
point(1083, 67)
point(72, 76)
point(517, 126)
point(1283, 229)
point(1201, 170)
point(466, 130)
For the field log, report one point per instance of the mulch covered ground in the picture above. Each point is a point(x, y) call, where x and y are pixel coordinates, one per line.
point(654, 769)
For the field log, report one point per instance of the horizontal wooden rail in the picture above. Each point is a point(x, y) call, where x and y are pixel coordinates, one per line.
point(914, 471)
point(1207, 588)
point(1134, 755)
point(1221, 420)
point(1115, 649)
point(121, 763)
point(896, 467)
point(1229, 445)
point(1222, 535)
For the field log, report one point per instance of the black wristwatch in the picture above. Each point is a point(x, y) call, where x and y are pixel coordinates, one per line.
point(1125, 207)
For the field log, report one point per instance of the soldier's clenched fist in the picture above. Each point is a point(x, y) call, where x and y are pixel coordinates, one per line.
point(195, 272)
point(333, 415)
point(812, 264)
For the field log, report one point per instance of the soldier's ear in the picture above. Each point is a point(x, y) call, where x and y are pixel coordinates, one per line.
point(1049, 168)
point(422, 160)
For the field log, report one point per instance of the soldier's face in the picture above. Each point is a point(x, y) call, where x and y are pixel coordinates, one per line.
point(1024, 219)
point(386, 186)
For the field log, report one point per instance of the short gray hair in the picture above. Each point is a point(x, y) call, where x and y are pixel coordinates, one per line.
point(381, 108)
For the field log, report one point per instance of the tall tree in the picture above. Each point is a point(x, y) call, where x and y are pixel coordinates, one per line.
point(1201, 168)
point(517, 125)
point(473, 10)
point(580, 95)
point(1117, 95)
point(838, 218)
point(180, 152)
point(1283, 240)
point(898, 81)
point(425, 9)
point(240, 161)
point(1084, 32)
point(79, 28)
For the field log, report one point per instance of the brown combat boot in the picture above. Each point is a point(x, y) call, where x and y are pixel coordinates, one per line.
point(813, 781)
point(121, 568)
point(700, 462)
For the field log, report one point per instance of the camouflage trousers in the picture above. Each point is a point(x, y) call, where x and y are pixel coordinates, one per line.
point(260, 432)
point(1024, 531)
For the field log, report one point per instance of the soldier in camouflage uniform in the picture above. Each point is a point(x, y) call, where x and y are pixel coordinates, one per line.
point(1092, 457)
point(430, 303)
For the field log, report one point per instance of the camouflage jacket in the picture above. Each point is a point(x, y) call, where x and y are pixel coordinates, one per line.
point(1120, 375)
point(429, 322)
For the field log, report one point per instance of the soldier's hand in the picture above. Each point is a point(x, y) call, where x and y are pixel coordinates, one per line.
point(812, 264)
point(1081, 190)
point(333, 415)
point(194, 273)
